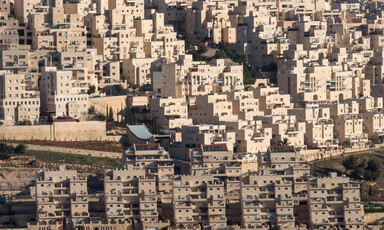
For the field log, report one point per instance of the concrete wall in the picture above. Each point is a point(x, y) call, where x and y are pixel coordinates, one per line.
point(371, 217)
point(58, 131)
point(117, 103)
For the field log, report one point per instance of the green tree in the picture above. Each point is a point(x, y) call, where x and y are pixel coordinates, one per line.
point(110, 115)
point(358, 171)
point(91, 110)
point(284, 142)
point(25, 122)
point(91, 89)
point(370, 191)
point(346, 144)
point(373, 165)
point(155, 125)
point(372, 171)
point(50, 118)
point(6, 149)
point(3, 148)
point(20, 149)
point(374, 139)
point(202, 48)
point(100, 117)
point(350, 162)
point(218, 55)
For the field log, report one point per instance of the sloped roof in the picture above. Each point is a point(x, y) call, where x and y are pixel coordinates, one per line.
point(140, 131)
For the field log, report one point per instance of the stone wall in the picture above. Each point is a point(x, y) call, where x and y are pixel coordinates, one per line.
point(117, 103)
point(58, 131)
point(371, 217)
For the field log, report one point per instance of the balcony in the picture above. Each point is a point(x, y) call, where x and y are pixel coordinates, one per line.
point(258, 136)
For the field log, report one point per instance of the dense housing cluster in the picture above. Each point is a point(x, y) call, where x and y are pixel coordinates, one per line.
point(214, 190)
point(325, 56)
point(230, 153)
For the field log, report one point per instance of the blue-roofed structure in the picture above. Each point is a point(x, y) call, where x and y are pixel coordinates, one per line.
point(138, 134)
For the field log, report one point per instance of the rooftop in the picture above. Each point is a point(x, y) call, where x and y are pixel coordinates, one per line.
point(281, 149)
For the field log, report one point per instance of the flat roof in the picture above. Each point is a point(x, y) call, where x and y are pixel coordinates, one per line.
point(215, 148)
point(149, 146)
point(281, 149)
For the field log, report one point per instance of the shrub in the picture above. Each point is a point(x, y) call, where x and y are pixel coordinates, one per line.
point(25, 122)
point(350, 162)
point(20, 149)
point(6, 149)
point(91, 110)
point(91, 89)
point(372, 171)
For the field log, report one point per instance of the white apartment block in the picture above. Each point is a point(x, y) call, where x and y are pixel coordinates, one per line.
point(61, 95)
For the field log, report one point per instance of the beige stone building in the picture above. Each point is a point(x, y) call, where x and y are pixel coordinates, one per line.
point(251, 136)
point(61, 94)
point(211, 109)
point(348, 124)
point(17, 104)
point(266, 201)
point(285, 127)
point(198, 200)
point(319, 127)
point(198, 135)
point(271, 101)
point(209, 20)
point(169, 113)
point(334, 201)
point(187, 78)
point(245, 106)
point(155, 161)
point(61, 194)
point(130, 194)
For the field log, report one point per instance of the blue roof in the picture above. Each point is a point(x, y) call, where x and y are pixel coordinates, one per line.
point(140, 132)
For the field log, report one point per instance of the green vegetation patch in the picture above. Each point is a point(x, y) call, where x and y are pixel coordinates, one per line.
point(57, 157)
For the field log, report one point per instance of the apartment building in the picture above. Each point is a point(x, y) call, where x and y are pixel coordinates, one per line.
point(130, 195)
point(85, 69)
point(334, 201)
point(61, 194)
point(206, 159)
point(138, 71)
point(209, 20)
point(211, 109)
point(245, 106)
point(61, 95)
point(19, 59)
point(187, 78)
point(283, 160)
point(271, 101)
point(251, 136)
point(266, 201)
point(198, 135)
point(9, 35)
point(348, 124)
point(371, 108)
point(285, 127)
point(169, 113)
point(154, 160)
point(17, 104)
point(319, 126)
point(198, 200)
